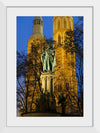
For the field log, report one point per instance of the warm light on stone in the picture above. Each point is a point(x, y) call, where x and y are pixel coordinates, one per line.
point(64, 73)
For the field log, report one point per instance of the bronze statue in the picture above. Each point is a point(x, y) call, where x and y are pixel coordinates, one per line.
point(48, 60)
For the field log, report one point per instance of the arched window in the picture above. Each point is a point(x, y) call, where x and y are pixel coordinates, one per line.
point(64, 23)
point(58, 24)
point(59, 39)
point(38, 21)
point(64, 35)
point(69, 24)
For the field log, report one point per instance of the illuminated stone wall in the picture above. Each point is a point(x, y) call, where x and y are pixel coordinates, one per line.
point(38, 40)
point(65, 73)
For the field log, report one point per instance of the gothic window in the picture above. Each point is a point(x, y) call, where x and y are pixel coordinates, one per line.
point(58, 24)
point(69, 24)
point(38, 21)
point(65, 36)
point(59, 39)
point(64, 23)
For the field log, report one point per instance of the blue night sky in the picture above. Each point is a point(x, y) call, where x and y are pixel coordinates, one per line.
point(25, 28)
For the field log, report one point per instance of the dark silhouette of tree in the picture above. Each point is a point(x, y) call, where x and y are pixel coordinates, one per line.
point(74, 44)
point(21, 73)
point(69, 100)
point(62, 101)
point(29, 68)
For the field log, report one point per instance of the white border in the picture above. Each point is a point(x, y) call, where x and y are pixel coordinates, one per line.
point(12, 120)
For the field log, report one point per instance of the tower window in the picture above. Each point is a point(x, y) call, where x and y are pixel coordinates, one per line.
point(58, 24)
point(64, 23)
point(59, 39)
point(38, 21)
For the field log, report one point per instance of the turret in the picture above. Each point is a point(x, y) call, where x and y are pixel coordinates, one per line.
point(37, 28)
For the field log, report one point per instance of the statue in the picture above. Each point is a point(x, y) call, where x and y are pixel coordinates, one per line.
point(48, 60)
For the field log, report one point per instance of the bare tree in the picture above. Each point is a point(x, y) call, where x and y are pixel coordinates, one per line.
point(29, 68)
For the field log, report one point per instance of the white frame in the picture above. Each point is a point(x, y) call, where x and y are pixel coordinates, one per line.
point(12, 13)
point(85, 129)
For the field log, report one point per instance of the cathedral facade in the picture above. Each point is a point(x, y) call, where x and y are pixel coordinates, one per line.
point(65, 74)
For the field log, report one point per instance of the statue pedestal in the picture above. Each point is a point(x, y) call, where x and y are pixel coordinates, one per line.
point(48, 82)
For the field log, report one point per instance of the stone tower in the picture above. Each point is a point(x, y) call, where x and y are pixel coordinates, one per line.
point(37, 31)
point(65, 73)
point(37, 28)
point(33, 79)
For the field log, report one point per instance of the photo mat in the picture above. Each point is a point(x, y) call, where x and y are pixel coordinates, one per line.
point(12, 118)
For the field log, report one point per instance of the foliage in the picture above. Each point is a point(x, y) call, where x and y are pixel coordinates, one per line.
point(70, 101)
point(74, 42)
point(29, 67)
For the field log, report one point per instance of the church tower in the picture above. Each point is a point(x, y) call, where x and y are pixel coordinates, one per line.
point(37, 31)
point(34, 51)
point(37, 28)
point(60, 26)
point(65, 73)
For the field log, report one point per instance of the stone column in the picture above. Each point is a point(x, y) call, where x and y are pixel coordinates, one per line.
point(43, 84)
point(53, 83)
point(48, 83)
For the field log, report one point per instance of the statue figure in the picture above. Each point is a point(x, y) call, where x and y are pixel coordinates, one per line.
point(48, 60)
